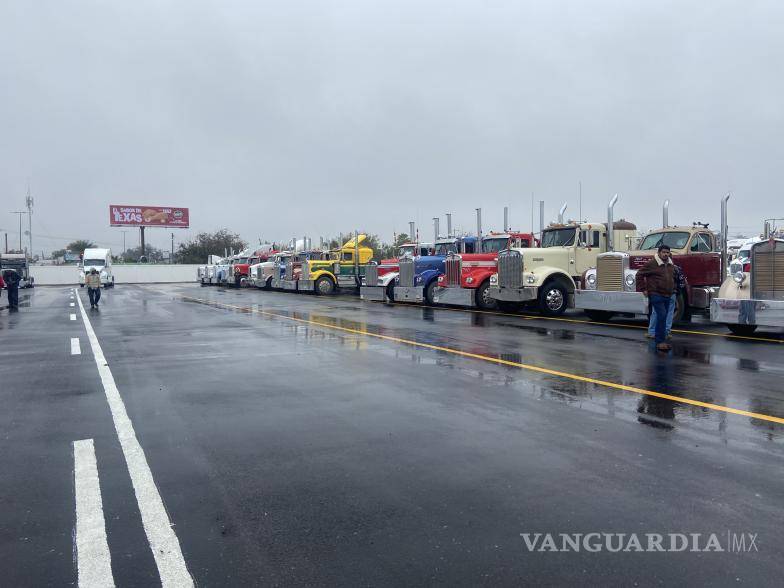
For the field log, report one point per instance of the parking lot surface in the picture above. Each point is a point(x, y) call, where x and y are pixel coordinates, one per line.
point(245, 437)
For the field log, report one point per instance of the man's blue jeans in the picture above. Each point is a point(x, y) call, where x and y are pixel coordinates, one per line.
point(670, 314)
point(661, 306)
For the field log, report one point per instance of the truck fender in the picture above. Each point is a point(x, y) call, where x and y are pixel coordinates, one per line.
point(387, 278)
point(555, 274)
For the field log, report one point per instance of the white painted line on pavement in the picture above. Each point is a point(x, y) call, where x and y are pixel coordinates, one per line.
point(164, 544)
point(92, 551)
point(75, 347)
point(72, 303)
point(73, 317)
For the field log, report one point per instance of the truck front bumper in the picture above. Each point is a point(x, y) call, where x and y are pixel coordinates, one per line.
point(513, 294)
point(626, 302)
point(306, 285)
point(766, 313)
point(290, 285)
point(409, 294)
point(455, 295)
point(373, 293)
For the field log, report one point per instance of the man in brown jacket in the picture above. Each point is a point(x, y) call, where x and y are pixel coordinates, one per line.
point(658, 283)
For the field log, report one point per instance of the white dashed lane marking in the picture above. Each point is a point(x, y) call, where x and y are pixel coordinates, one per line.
point(92, 551)
point(73, 317)
point(75, 347)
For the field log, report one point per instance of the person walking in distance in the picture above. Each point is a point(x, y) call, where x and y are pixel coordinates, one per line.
point(2, 284)
point(658, 283)
point(93, 283)
point(12, 285)
point(681, 286)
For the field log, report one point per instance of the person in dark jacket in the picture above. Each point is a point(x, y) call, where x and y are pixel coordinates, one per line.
point(658, 283)
point(680, 287)
point(12, 284)
point(2, 284)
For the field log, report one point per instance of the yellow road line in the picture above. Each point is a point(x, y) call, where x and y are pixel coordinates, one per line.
point(495, 360)
point(571, 320)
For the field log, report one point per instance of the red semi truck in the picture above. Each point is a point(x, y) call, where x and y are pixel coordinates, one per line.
point(467, 277)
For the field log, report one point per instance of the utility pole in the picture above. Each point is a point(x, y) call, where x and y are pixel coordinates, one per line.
point(171, 259)
point(29, 203)
point(20, 213)
point(124, 249)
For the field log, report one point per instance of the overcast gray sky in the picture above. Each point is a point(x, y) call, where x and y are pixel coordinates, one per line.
point(280, 118)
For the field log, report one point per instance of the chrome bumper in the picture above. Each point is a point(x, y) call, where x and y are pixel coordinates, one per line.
point(374, 293)
point(513, 294)
point(306, 285)
point(277, 283)
point(289, 284)
point(767, 313)
point(409, 294)
point(628, 302)
point(455, 295)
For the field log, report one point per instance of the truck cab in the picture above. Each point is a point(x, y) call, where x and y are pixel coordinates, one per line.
point(260, 274)
point(611, 286)
point(342, 268)
point(205, 272)
point(418, 276)
point(19, 263)
point(294, 267)
point(98, 259)
point(548, 275)
point(466, 277)
point(753, 296)
point(378, 283)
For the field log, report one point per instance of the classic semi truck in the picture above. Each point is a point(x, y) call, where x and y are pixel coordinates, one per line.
point(294, 266)
point(239, 269)
point(205, 273)
point(379, 281)
point(261, 274)
point(754, 296)
point(610, 288)
point(418, 276)
point(548, 276)
point(466, 277)
point(342, 268)
point(19, 263)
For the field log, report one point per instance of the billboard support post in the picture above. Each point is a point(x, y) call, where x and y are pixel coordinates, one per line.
point(141, 237)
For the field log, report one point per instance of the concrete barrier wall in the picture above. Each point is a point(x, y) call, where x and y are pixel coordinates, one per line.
point(54, 275)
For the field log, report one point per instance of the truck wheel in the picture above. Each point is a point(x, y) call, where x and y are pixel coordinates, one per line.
point(483, 299)
point(742, 330)
point(391, 291)
point(324, 286)
point(430, 292)
point(600, 316)
point(553, 298)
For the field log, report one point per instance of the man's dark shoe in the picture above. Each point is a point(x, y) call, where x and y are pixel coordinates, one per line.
point(663, 347)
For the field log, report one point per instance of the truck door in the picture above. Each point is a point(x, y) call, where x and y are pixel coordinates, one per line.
point(701, 264)
point(588, 246)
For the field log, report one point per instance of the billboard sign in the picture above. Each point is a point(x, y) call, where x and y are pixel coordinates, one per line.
point(148, 216)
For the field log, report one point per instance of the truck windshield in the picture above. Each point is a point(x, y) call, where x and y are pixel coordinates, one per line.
point(94, 262)
point(444, 248)
point(558, 237)
point(674, 240)
point(494, 245)
point(406, 250)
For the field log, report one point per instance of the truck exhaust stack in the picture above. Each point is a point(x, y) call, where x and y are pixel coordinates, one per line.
point(610, 206)
point(666, 214)
point(561, 213)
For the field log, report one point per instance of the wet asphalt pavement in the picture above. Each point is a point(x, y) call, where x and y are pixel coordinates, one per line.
point(301, 440)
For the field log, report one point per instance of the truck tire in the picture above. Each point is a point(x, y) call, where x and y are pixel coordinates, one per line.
point(553, 298)
point(391, 291)
point(324, 286)
point(483, 299)
point(430, 291)
point(742, 330)
point(600, 316)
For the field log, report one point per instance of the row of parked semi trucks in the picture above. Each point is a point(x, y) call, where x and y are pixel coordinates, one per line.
point(588, 266)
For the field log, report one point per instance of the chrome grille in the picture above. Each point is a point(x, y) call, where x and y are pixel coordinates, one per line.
point(454, 267)
point(767, 270)
point(609, 273)
point(406, 276)
point(289, 275)
point(371, 275)
point(510, 269)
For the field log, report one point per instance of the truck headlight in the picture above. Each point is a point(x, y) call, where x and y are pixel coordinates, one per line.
point(739, 278)
point(469, 280)
point(418, 279)
point(494, 279)
point(629, 279)
point(590, 279)
point(530, 279)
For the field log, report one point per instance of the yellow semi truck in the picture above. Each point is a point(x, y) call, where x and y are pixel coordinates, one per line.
point(343, 270)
